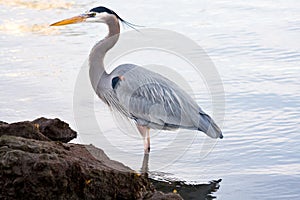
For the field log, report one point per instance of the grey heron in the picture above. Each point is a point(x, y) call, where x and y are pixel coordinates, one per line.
point(151, 100)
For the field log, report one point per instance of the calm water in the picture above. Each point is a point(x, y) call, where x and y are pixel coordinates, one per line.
point(254, 45)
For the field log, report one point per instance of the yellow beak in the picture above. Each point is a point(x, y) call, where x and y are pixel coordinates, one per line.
point(72, 20)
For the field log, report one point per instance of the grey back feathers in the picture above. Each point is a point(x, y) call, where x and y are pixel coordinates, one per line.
point(155, 101)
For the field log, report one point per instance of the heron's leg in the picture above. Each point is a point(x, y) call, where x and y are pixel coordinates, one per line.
point(145, 168)
point(145, 132)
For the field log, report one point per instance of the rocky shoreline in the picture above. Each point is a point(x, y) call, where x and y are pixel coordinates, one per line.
point(36, 162)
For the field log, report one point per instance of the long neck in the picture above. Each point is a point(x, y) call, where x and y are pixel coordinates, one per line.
point(97, 54)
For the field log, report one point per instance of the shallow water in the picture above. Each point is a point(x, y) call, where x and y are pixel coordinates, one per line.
point(254, 46)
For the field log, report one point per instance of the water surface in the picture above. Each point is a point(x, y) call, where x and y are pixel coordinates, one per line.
point(254, 45)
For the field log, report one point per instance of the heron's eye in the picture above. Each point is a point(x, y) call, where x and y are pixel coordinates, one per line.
point(92, 14)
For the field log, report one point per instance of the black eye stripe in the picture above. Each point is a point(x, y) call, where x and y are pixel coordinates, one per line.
point(91, 14)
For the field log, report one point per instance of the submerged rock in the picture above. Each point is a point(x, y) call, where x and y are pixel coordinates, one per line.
point(189, 191)
point(34, 167)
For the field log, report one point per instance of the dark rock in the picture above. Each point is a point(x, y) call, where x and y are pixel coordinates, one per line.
point(189, 191)
point(55, 129)
point(2, 123)
point(40, 129)
point(162, 196)
point(35, 169)
point(22, 129)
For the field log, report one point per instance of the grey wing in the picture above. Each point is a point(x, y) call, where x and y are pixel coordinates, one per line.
point(153, 100)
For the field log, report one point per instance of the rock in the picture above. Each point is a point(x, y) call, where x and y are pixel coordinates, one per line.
point(36, 164)
point(189, 191)
point(40, 129)
point(162, 196)
point(39, 169)
point(55, 129)
point(2, 123)
point(22, 129)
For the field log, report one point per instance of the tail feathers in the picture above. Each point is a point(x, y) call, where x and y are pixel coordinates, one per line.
point(207, 125)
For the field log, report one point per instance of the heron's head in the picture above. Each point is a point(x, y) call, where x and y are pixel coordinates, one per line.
point(98, 14)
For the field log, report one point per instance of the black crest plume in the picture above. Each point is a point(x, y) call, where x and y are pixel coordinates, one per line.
point(102, 9)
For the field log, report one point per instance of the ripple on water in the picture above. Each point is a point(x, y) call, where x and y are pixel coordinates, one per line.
point(254, 46)
point(39, 5)
point(12, 27)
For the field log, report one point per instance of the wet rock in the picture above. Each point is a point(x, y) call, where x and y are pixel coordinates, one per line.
point(162, 196)
point(39, 169)
point(189, 191)
point(55, 129)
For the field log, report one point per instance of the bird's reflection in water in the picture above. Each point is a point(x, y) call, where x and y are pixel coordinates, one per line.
point(187, 191)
